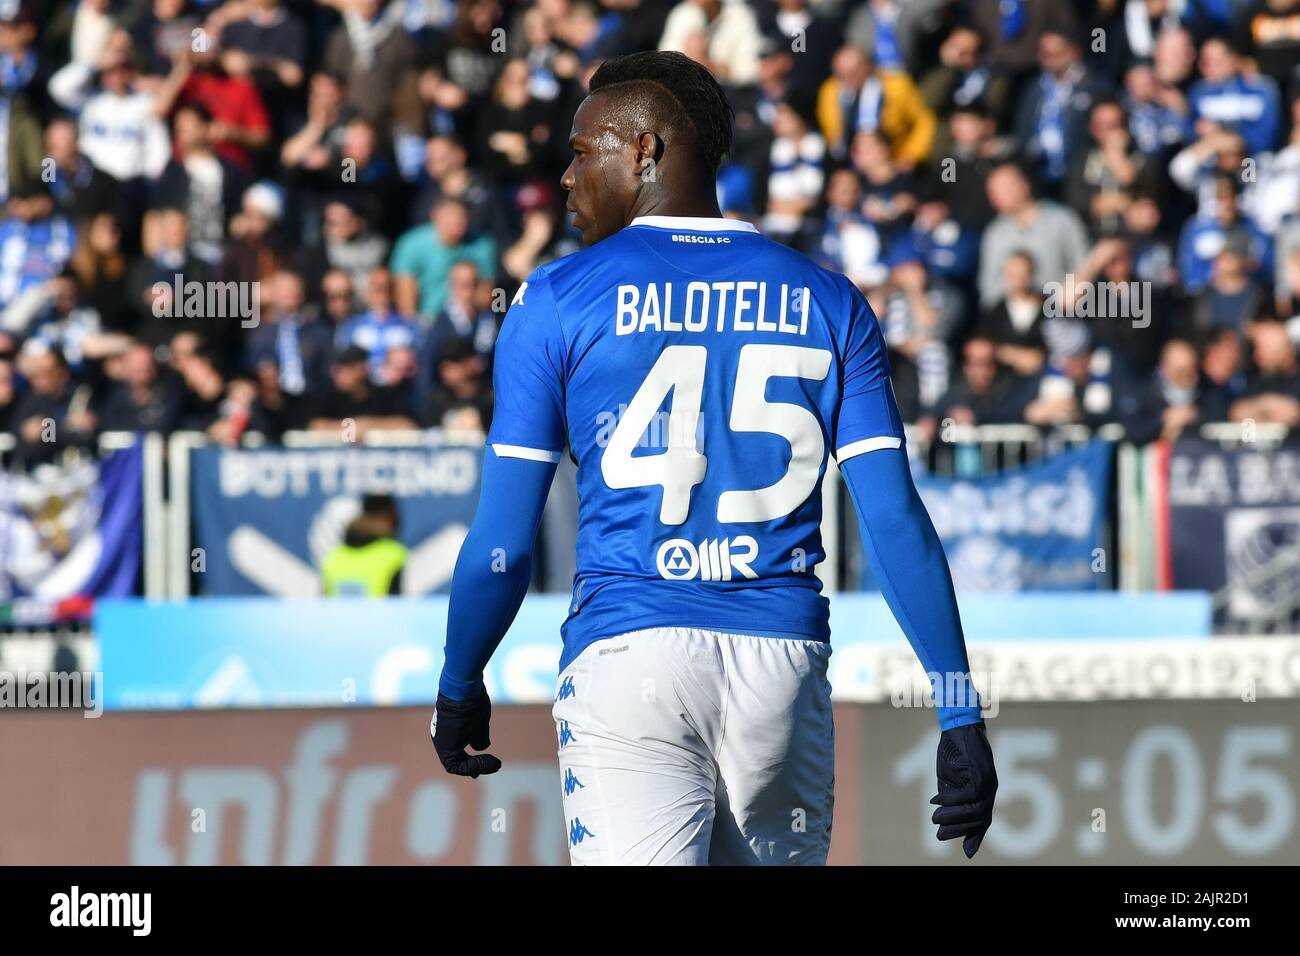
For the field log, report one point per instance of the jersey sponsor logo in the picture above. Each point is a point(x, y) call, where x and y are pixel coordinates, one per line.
point(717, 559)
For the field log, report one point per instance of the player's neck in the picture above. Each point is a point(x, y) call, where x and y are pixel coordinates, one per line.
point(692, 207)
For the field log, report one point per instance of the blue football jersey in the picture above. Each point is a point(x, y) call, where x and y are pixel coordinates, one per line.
point(699, 375)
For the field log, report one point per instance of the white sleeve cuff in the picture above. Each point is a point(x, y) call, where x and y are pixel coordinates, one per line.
point(855, 448)
point(528, 454)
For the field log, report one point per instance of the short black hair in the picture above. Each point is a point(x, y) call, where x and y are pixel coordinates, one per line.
point(674, 88)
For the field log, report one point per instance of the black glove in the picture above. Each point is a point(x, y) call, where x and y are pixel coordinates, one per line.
point(457, 724)
point(967, 785)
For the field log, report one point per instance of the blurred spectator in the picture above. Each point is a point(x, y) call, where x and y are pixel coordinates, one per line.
point(267, 42)
point(1175, 399)
point(142, 400)
point(99, 265)
point(206, 75)
point(1276, 197)
point(425, 254)
point(1266, 32)
point(888, 191)
point(1054, 233)
point(1052, 117)
point(465, 314)
point(352, 405)
point(120, 130)
point(317, 145)
point(461, 393)
point(202, 183)
point(35, 245)
point(1130, 319)
point(374, 55)
point(54, 413)
point(1015, 27)
point(962, 79)
point(1102, 175)
point(380, 327)
point(721, 34)
point(80, 190)
point(1222, 362)
point(794, 182)
point(976, 152)
point(348, 243)
point(256, 248)
point(450, 177)
point(1273, 388)
point(338, 298)
point(1231, 299)
point(859, 97)
point(1229, 98)
point(917, 320)
point(1154, 251)
point(1075, 387)
point(849, 243)
point(949, 250)
point(804, 37)
point(1015, 324)
point(162, 33)
point(1204, 237)
point(291, 345)
point(513, 130)
point(1158, 115)
point(983, 392)
point(64, 322)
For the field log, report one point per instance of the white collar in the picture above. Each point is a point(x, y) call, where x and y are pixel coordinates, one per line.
point(694, 224)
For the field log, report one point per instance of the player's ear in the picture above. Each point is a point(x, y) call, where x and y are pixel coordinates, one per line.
point(649, 153)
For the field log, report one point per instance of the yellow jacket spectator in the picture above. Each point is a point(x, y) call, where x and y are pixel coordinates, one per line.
point(858, 96)
point(369, 562)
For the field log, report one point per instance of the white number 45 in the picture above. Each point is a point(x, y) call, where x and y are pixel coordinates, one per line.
point(681, 466)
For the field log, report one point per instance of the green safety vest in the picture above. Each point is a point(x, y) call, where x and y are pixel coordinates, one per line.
point(365, 571)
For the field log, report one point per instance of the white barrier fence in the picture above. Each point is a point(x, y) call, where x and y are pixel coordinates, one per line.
point(957, 450)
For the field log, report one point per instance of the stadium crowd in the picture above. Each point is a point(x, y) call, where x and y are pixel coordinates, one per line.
point(1062, 212)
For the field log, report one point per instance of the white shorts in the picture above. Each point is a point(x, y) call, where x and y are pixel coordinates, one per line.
point(690, 747)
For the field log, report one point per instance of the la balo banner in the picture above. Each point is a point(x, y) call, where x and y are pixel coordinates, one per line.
point(265, 518)
point(1033, 528)
point(1234, 521)
point(71, 532)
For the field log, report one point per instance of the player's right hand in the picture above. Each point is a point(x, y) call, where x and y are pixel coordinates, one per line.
point(457, 724)
point(968, 783)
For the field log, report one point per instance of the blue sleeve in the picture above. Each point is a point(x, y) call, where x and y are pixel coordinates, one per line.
point(868, 415)
point(528, 418)
point(910, 567)
point(493, 568)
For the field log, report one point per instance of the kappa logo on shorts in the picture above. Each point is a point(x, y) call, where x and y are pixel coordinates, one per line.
point(710, 560)
point(571, 782)
point(566, 690)
point(566, 735)
point(578, 832)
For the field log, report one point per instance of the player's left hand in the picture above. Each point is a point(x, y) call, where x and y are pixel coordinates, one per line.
point(457, 724)
point(968, 783)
